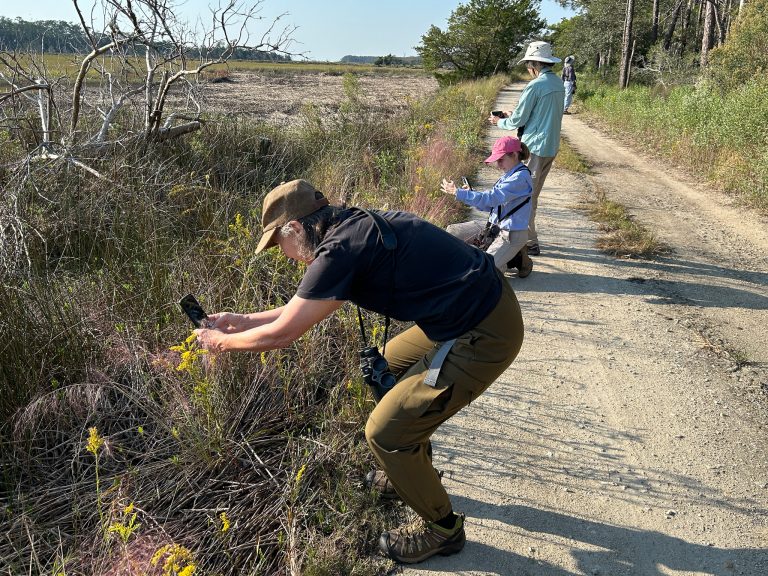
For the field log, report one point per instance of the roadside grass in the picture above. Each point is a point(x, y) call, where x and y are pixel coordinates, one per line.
point(714, 343)
point(717, 136)
point(568, 159)
point(120, 442)
point(623, 237)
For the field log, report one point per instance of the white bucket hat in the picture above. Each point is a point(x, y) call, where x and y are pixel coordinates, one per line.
point(539, 52)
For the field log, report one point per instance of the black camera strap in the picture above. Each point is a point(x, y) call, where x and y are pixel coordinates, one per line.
point(515, 209)
point(389, 241)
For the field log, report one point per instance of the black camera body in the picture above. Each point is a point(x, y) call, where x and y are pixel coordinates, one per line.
point(376, 372)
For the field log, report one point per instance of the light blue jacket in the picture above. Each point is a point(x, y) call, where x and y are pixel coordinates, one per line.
point(509, 191)
point(540, 110)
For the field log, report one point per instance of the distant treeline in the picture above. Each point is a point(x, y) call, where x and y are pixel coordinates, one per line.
point(59, 37)
point(388, 60)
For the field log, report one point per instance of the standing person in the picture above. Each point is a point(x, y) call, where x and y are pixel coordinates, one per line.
point(540, 113)
point(468, 329)
point(508, 202)
point(569, 82)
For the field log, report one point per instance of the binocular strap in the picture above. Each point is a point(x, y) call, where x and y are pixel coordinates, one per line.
point(437, 363)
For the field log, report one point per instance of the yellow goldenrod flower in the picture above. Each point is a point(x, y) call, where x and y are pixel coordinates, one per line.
point(299, 474)
point(176, 556)
point(224, 522)
point(94, 441)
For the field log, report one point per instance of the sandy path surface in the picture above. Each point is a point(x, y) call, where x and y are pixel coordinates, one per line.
point(625, 439)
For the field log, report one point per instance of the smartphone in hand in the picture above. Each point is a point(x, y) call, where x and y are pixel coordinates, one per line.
point(466, 183)
point(194, 311)
point(499, 114)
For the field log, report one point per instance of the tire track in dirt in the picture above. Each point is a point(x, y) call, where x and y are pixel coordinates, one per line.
point(618, 443)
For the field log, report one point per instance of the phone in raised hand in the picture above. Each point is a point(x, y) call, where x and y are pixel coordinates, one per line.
point(465, 182)
point(194, 311)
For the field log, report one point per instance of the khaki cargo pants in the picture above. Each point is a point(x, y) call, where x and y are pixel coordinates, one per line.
point(399, 428)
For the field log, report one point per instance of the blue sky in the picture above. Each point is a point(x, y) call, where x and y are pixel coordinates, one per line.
point(327, 29)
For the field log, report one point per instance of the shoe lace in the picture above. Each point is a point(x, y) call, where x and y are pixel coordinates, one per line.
point(415, 527)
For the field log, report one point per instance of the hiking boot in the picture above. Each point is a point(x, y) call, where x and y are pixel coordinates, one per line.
point(416, 543)
point(377, 480)
point(516, 262)
point(534, 250)
point(525, 269)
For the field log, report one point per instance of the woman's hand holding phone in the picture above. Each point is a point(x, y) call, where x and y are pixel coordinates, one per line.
point(228, 322)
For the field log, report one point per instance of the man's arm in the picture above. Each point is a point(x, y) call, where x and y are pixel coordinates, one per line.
point(522, 111)
point(295, 318)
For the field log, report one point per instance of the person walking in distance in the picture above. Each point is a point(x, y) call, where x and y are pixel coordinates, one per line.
point(569, 82)
point(539, 113)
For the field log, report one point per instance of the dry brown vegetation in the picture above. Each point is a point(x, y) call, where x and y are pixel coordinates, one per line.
point(279, 97)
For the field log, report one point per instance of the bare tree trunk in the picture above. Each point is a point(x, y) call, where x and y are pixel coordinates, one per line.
point(655, 23)
point(727, 19)
point(706, 34)
point(720, 23)
point(626, 56)
point(686, 26)
point(631, 57)
point(672, 24)
point(699, 21)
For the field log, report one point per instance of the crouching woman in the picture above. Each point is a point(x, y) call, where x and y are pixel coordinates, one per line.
point(467, 330)
point(509, 203)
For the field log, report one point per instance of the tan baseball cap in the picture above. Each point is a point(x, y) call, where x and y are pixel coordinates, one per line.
point(289, 201)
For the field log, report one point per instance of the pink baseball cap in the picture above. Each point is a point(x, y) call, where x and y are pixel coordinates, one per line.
point(502, 146)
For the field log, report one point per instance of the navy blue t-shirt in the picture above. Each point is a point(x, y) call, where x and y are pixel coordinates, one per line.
point(432, 278)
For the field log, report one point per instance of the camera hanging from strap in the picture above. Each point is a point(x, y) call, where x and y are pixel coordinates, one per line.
point(374, 366)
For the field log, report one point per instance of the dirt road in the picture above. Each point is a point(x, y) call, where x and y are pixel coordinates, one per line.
point(628, 438)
